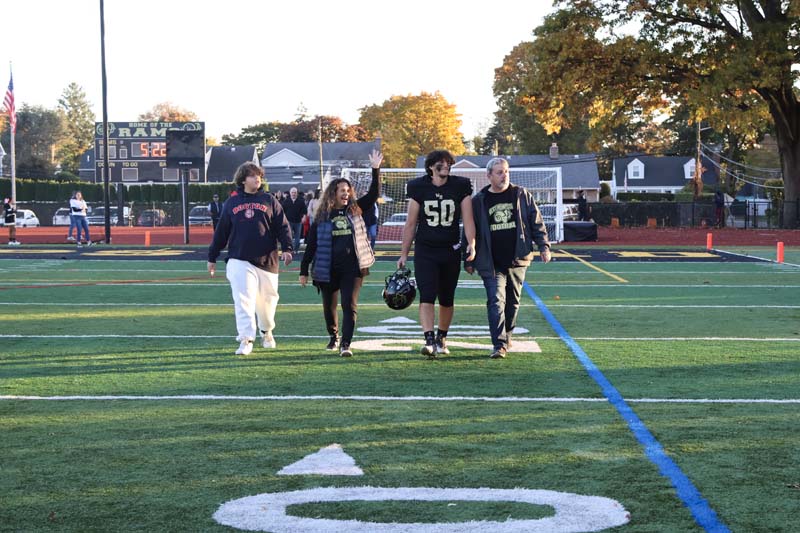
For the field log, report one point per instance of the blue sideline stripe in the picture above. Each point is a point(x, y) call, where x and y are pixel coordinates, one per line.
point(703, 514)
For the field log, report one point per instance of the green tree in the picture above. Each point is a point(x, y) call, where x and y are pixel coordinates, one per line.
point(333, 130)
point(729, 61)
point(413, 125)
point(257, 135)
point(78, 119)
point(301, 130)
point(39, 131)
point(168, 112)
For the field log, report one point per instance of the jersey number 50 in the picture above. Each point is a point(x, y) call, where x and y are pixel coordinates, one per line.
point(440, 212)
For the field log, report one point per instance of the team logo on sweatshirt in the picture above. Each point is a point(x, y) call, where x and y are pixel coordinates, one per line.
point(249, 209)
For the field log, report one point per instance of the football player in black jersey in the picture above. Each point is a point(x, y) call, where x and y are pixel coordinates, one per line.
point(437, 204)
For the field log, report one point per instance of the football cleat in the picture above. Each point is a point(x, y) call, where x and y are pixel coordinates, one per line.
point(441, 345)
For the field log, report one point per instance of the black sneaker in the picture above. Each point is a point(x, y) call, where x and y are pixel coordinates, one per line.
point(498, 353)
point(332, 343)
point(345, 351)
point(441, 345)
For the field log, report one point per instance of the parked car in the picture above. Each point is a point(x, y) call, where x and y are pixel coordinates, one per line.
point(570, 211)
point(61, 217)
point(98, 216)
point(152, 217)
point(398, 219)
point(25, 219)
point(200, 215)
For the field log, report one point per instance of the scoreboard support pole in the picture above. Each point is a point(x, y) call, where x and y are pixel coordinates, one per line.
point(185, 203)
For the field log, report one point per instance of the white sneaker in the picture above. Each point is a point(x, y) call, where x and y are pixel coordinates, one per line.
point(70, 238)
point(245, 347)
point(267, 340)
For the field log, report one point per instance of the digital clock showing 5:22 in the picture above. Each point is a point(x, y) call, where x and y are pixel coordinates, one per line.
point(149, 149)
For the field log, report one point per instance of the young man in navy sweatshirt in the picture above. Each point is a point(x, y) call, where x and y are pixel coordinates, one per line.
point(251, 225)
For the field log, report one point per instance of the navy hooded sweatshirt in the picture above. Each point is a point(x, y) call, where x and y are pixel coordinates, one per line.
point(251, 225)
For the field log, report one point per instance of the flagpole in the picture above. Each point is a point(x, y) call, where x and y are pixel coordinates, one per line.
point(12, 122)
point(13, 169)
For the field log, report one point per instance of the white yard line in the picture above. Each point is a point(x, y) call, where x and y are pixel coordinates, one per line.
point(317, 304)
point(383, 336)
point(464, 284)
point(358, 398)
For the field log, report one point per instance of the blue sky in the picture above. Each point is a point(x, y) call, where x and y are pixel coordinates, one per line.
point(243, 62)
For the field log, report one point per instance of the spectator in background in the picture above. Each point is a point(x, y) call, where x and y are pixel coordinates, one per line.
point(719, 205)
point(371, 220)
point(313, 204)
point(583, 207)
point(215, 208)
point(10, 219)
point(295, 209)
point(77, 207)
point(73, 224)
point(307, 218)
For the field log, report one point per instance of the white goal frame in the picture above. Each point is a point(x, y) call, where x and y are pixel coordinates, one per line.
point(544, 183)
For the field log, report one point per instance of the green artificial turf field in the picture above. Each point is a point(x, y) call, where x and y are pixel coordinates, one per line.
point(123, 407)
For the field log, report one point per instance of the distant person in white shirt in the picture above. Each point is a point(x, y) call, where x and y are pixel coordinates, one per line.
point(77, 207)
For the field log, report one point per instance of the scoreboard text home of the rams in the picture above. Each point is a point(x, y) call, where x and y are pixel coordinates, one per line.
point(137, 151)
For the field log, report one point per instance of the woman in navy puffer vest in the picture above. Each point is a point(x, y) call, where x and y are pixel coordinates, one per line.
point(338, 246)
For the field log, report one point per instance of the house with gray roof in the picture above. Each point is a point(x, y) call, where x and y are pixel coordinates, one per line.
point(663, 174)
point(288, 165)
point(578, 171)
point(222, 161)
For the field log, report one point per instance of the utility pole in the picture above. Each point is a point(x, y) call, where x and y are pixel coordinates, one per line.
point(697, 182)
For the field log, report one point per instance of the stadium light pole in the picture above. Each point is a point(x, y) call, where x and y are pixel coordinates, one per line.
point(106, 195)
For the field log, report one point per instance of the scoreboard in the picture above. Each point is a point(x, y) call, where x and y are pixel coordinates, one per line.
point(137, 152)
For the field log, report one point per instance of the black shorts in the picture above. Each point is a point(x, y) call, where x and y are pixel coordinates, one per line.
point(436, 271)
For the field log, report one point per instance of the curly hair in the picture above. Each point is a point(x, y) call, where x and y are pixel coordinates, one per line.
point(247, 169)
point(328, 200)
point(435, 157)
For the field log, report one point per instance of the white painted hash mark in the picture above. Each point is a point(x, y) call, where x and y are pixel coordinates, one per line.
point(328, 461)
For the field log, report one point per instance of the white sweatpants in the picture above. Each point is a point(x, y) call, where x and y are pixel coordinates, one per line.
point(255, 297)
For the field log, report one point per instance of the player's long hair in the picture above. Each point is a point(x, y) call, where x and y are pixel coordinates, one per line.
point(328, 201)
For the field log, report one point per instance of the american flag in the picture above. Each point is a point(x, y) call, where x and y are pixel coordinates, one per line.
point(8, 104)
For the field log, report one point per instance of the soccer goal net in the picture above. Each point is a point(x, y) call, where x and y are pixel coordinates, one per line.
point(543, 183)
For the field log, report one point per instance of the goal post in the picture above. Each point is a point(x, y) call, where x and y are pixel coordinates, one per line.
point(543, 183)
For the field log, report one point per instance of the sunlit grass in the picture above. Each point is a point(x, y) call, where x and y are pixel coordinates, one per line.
point(167, 465)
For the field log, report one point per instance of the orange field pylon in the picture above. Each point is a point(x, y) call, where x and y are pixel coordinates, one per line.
point(780, 252)
point(147, 238)
point(709, 241)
